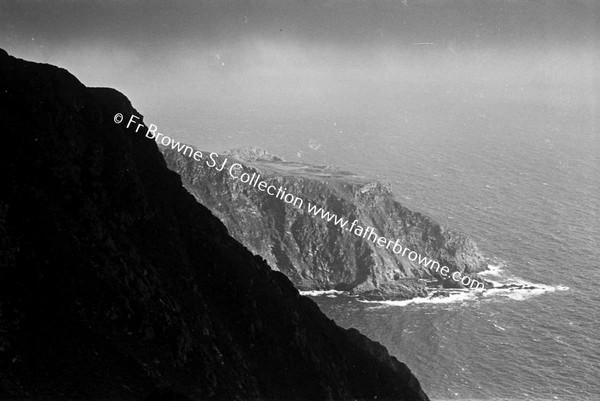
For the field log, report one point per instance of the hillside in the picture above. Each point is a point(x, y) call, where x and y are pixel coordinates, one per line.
point(115, 282)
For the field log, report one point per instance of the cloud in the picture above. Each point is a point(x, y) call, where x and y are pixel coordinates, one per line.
point(347, 23)
point(274, 51)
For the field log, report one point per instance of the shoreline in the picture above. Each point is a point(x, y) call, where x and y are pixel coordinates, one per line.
point(507, 286)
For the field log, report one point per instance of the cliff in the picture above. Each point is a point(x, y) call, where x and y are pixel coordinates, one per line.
point(316, 254)
point(116, 284)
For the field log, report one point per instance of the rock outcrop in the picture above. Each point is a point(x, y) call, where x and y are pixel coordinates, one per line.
point(114, 281)
point(316, 254)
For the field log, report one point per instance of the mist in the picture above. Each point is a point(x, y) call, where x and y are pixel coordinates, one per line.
point(290, 57)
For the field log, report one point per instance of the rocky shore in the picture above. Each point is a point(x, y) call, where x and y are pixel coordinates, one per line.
point(318, 255)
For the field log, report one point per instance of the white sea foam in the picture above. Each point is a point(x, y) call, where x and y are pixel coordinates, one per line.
point(516, 288)
point(498, 327)
point(521, 290)
point(493, 270)
point(449, 297)
point(504, 286)
point(317, 293)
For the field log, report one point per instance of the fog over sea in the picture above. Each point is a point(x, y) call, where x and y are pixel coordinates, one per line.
point(516, 168)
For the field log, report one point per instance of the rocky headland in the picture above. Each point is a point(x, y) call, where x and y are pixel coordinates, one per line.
point(319, 255)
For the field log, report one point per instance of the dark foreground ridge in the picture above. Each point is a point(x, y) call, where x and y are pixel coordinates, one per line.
point(319, 255)
point(115, 282)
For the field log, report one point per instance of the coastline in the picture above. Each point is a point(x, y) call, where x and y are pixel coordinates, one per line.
point(292, 240)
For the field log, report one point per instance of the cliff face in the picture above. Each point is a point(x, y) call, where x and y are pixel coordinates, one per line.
point(114, 280)
point(316, 254)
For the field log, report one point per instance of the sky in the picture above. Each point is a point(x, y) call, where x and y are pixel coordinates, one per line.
point(293, 52)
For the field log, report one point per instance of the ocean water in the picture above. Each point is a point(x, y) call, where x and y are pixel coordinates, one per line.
point(520, 173)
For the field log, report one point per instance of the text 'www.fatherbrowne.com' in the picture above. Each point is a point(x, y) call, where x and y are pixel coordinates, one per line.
point(236, 172)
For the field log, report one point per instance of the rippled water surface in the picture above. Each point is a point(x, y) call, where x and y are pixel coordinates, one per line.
point(521, 177)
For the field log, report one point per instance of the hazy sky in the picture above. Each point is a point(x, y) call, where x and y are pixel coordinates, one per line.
point(307, 50)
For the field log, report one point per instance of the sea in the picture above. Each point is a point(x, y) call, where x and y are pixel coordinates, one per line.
point(516, 168)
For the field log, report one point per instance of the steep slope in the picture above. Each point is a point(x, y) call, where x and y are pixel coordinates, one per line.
point(115, 281)
point(316, 254)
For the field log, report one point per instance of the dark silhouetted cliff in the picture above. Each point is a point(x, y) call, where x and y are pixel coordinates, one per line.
point(319, 255)
point(114, 281)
